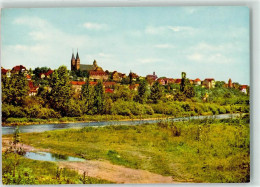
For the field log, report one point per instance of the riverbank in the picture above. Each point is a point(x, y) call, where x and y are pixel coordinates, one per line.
point(186, 151)
point(92, 118)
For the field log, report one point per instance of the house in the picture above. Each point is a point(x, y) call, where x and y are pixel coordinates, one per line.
point(77, 85)
point(98, 75)
point(197, 82)
point(109, 84)
point(133, 76)
point(209, 83)
point(243, 88)
point(177, 81)
point(109, 90)
point(6, 72)
point(191, 81)
point(32, 89)
point(161, 81)
point(133, 87)
point(19, 69)
point(46, 75)
point(116, 76)
point(170, 81)
point(151, 78)
point(28, 77)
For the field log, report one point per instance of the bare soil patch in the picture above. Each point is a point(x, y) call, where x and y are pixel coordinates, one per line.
point(116, 173)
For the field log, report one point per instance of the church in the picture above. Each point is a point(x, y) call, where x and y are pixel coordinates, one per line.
point(95, 72)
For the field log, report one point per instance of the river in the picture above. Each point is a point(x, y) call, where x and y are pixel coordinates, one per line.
point(50, 127)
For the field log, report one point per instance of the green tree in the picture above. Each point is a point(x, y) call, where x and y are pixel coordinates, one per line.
point(99, 98)
point(219, 84)
point(87, 97)
point(14, 89)
point(156, 92)
point(37, 71)
point(60, 93)
point(189, 91)
point(142, 91)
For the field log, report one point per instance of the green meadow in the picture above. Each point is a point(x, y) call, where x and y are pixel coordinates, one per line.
point(210, 150)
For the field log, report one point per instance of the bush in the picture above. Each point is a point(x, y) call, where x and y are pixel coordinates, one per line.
point(222, 110)
point(12, 111)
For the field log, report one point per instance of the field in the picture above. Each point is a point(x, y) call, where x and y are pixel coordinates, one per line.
point(193, 151)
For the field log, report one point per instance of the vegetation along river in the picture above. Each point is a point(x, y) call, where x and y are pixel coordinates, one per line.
point(49, 127)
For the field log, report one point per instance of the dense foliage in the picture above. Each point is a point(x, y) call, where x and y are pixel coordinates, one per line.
point(56, 98)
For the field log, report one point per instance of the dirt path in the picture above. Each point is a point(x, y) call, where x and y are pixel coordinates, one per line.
point(103, 169)
point(116, 173)
point(6, 144)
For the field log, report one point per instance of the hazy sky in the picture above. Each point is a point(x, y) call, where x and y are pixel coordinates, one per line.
point(205, 42)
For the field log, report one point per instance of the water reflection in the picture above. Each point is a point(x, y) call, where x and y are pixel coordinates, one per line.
point(45, 156)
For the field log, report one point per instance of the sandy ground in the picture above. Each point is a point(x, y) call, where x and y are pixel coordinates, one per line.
point(116, 173)
point(6, 144)
point(104, 169)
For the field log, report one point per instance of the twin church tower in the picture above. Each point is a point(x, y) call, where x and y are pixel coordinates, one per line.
point(75, 62)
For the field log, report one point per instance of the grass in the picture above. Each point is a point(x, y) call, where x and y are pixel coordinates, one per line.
point(199, 150)
point(85, 118)
point(40, 172)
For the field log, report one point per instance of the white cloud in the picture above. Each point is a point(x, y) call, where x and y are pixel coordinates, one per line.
point(195, 57)
point(181, 29)
point(94, 26)
point(168, 29)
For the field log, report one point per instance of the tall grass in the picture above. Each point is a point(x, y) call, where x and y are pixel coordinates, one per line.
point(206, 150)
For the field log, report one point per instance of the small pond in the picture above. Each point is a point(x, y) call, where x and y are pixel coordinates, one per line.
point(45, 156)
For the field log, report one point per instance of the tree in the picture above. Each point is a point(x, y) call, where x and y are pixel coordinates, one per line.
point(142, 92)
point(156, 92)
point(183, 81)
point(87, 96)
point(99, 98)
point(219, 84)
point(186, 88)
point(37, 71)
point(60, 93)
point(189, 91)
point(14, 89)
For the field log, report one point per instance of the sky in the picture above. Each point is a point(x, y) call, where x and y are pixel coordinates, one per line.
point(204, 42)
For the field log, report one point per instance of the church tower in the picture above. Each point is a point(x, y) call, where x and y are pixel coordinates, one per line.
point(73, 62)
point(77, 65)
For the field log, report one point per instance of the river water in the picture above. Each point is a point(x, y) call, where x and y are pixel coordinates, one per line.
point(49, 127)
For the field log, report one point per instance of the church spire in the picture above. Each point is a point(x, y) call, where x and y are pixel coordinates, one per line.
point(73, 57)
point(77, 56)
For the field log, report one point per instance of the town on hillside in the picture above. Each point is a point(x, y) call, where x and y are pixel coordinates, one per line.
point(80, 72)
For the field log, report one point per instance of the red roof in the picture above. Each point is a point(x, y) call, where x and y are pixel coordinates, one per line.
point(133, 86)
point(19, 68)
point(106, 84)
point(243, 87)
point(78, 82)
point(108, 90)
point(28, 76)
point(98, 72)
point(209, 79)
point(178, 81)
point(134, 75)
point(32, 87)
point(49, 72)
point(92, 83)
point(197, 80)
point(4, 71)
